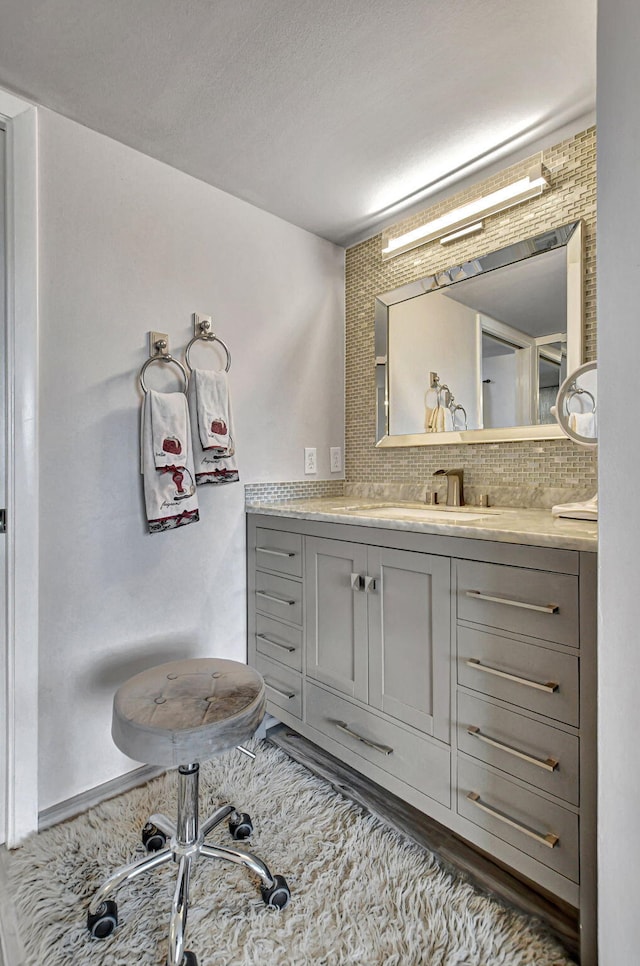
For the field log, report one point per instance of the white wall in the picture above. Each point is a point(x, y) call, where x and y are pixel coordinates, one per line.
point(499, 395)
point(618, 373)
point(431, 333)
point(128, 245)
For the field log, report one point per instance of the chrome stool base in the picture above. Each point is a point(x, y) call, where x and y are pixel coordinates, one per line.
point(185, 846)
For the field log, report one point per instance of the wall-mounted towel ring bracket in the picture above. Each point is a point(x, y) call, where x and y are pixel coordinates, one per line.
point(202, 333)
point(159, 352)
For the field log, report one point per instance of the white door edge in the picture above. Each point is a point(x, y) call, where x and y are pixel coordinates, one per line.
point(22, 468)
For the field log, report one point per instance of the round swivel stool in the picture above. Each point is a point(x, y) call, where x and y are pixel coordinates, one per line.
point(179, 714)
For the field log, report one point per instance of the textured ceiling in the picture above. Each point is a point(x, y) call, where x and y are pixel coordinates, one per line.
point(325, 112)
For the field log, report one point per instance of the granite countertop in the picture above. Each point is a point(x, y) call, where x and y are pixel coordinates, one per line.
point(531, 527)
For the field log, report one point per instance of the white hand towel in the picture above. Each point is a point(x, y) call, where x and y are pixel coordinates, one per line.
point(584, 424)
point(430, 406)
point(169, 488)
point(210, 465)
point(213, 410)
point(588, 510)
point(441, 420)
point(169, 428)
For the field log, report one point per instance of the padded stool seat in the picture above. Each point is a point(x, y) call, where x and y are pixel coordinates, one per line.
point(182, 713)
point(187, 711)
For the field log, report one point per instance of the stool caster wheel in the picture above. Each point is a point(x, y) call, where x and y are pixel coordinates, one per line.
point(102, 923)
point(276, 896)
point(152, 838)
point(189, 959)
point(240, 826)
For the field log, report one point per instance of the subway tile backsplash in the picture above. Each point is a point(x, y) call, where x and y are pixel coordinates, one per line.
point(301, 489)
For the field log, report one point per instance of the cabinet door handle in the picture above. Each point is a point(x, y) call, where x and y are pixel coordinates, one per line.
point(357, 582)
point(549, 686)
point(275, 598)
point(548, 764)
point(550, 840)
point(268, 640)
point(369, 584)
point(283, 694)
point(276, 553)
point(383, 749)
point(545, 608)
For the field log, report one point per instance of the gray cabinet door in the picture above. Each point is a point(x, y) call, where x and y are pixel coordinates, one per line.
point(409, 638)
point(336, 615)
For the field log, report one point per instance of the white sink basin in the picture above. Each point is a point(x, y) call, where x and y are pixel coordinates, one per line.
point(431, 514)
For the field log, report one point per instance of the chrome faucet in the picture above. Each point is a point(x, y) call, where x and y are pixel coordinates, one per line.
point(455, 493)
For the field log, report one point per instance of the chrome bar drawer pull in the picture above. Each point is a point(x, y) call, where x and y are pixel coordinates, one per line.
point(549, 764)
point(276, 553)
point(268, 640)
point(383, 749)
point(275, 598)
point(550, 840)
point(549, 686)
point(283, 694)
point(544, 608)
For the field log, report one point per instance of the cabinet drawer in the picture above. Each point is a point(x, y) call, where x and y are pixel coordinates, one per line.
point(544, 830)
point(283, 686)
point(528, 602)
point(537, 753)
point(279, 641)
point(413, 760)
point(279, 550)
point(279, 597)
point(525, 675)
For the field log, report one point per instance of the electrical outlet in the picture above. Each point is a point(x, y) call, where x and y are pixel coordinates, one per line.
point(310, 460)
point(335, 453)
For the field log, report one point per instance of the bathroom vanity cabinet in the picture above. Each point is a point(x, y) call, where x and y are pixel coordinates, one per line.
point(457, 673)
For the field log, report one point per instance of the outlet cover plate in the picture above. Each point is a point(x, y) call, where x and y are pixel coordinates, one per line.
point(310, 460)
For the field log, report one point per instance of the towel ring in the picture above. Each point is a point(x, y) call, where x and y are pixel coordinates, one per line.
point(576, 391)
point(206, 336)
point(458, 408)
point(161, 358)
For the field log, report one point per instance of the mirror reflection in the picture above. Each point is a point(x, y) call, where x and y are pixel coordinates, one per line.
point(483, 346)
point(577, 405)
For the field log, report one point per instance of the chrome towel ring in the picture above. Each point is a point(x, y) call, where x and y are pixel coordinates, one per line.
point(206, 335)
point(577, 391)
point(162, 355)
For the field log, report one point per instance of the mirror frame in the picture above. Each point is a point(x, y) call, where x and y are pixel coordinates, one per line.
point(573, 243)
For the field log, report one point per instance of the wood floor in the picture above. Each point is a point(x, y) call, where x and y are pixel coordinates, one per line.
point(560, 918)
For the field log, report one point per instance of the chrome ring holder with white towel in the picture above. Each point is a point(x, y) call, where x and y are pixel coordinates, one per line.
point(203, 333)
point(576, 391)
point(159, 352)
point(580, 386)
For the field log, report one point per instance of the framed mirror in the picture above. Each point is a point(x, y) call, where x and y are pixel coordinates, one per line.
point(478, 352)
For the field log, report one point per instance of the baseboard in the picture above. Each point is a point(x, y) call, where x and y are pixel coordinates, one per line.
point(94, 796)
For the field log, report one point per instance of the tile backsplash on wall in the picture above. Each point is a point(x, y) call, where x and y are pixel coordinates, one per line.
point(558, 468)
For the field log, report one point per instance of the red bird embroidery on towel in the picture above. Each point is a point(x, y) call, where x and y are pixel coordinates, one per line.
point(219, 427)
point(172, 445)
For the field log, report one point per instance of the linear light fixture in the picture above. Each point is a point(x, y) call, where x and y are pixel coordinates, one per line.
point(462, 232)
point(467, 215)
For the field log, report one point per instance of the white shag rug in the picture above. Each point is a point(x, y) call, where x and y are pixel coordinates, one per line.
point(361, 893)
